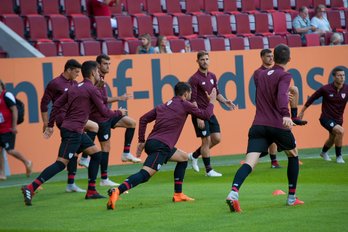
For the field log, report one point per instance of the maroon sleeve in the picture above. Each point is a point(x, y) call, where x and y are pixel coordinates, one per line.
point(143, 121)
point(103, 110)
point(195, 111)
point(282, 96)
point(58, 104)
point(193, 83)
point(317, 94)
point(216, 86)
point(47, 97)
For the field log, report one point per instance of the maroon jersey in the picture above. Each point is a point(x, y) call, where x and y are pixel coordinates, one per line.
point(170, 119)
point(54, 89)
point(334, 101)
point(200, 84)
point(80, 99)
point(7, 100)
point(272, 87)
point(95, 115)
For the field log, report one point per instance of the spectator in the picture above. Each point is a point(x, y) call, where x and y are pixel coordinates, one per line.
point(145, 47)
point(8, 129)
point(319, 21)
point(336, 39)
point(302, 24)
point(101, 8)
point(162, 45)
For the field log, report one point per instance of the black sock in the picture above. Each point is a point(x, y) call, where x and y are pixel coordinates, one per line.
point(325, 148)
point(240, 176)
point(197, 153)
point(207, 165)
point(93, 170)
point(338, 151)
point(92, 135)
point(273, 157)
point(72, 167)
point(104, 162)
point(293, 170)
point(128, 137)
point(47, 174)
point(140, 177)
point(179, 174)
point(294, 112)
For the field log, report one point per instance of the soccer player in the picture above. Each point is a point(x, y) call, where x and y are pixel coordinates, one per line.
point(79, 101)
point(272, 124)
point(54, 89)
point(169, 120)
point(335, 97)
point(208, 130)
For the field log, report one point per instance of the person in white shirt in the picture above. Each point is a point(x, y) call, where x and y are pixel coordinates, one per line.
point(162, 45)
point(320, 21)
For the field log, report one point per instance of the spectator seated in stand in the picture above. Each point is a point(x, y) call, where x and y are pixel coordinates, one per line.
point(162, 45)
point(145, 47)
point(302, 25)
point(101, 8)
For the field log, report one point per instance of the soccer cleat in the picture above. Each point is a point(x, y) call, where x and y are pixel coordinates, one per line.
point(213, 173)
point(299, 121)
point(129, 157)
point(275, 164)
point(340, 160)
point(84, 162)
point(108, 182)
point(325, 156)
point(233, 205)
point(292, 201)
point(114, 194)
point(194, 163)
point(29, 168)
point(27, 194)
point(74, 188)
point(179, 197)
point(93, 195)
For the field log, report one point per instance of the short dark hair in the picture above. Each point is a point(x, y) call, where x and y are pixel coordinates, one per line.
point(102, 57)
point(88, 67)
point(335, 70)
point(264, 52)
point(72, 64)
point(181, 88)
point(281, 54)
point(202, 53)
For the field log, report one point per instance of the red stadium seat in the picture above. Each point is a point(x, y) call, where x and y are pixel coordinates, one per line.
point(193, 8)
point(256, 42)
point(143, 25)
point(211, 7)
point(132, 46)
point(243, 25)
point(197, 44)
point(318, 2)
point(125, 28)
point(294, 40)
point(59, 27)
point(69, 48)
point(184, 28)
point(337, 4)
point(114, 47)
point(90, 48)
point(205, 27)
point(262, 25)
point(165, 26)
point(223, 24)
point(248, 6)
point(177, 45)
point(28, 7)
point(345, 37)
point(14, 22)
point(116, 10)
point(154, 7)
point(80, 25)
point(274, 40)
point(237, 43)
point(50, 7)
point(47, 48)
point(267, 6)
point(134, 7)
point(230, 7)
point(37, 26)
point(301, 3)
point(72, 7)
point(103, 28)
point(6, 7)
point(279, 23)
point(312, 39)
point(217, 44)
point(173, 7)
point(285, 5)
point(335, 20)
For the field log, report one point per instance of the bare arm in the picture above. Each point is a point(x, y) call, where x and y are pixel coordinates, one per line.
point(14, 118)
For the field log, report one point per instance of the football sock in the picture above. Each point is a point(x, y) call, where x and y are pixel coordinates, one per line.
point(273, 157)
point(72, 167)
point(207, 165)
point(338, 151)
point(293, 112)
point(179, 174)
point(93, 170)
point(128, 137)
point(240, 176)
point(140, 177)
point(47, 174)
point(325, 148)
point(104, 162)
point(293, 170)
point(197, 153)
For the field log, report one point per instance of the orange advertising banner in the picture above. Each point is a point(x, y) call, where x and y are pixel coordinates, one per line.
point(151, 78)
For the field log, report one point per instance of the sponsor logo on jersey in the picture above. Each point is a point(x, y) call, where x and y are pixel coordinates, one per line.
point(212, 81)
point(331, 95)
point(169, 102)
point(66, 89)
point(343, 95)
point(270, 72)
point(203, 83)
point(71, 155)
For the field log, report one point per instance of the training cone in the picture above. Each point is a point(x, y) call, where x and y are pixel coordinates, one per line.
point(278, 192)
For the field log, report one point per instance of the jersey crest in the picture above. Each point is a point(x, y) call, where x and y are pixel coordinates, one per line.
point(343, 95)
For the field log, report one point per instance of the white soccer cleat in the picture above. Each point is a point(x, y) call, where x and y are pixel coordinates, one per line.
point(129, 157)
point(340, 160)
point(194, 163)
point(84, 162)
point(213, 173)
point(108, 182)
point(325, 156)
point(70, 188)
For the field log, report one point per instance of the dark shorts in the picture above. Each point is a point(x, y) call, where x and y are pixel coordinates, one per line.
point(7, 141)
point(104, 132)
point(261, 137)
point(72, 143)
point(158, 154)
point(328, 124)
point(211, 126)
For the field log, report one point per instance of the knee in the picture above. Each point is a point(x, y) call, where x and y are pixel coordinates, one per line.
point(132, 123)
point(339, 131)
